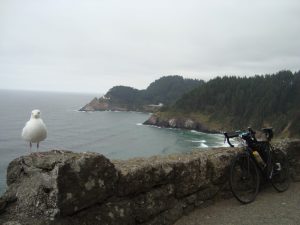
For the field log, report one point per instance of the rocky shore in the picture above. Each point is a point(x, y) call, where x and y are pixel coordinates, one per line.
point(179, 122)
point(64, 188)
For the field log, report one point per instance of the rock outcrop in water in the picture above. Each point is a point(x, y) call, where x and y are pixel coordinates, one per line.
point(63, 187)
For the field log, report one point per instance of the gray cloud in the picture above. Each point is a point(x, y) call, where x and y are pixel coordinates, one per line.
point(90, 45)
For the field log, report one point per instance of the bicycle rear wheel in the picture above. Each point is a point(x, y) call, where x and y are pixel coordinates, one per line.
point(280, 178)
point(244, 178)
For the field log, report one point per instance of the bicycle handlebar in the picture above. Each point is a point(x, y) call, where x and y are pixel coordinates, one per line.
point(252, 133)
point(243, 134)
point(231, 135)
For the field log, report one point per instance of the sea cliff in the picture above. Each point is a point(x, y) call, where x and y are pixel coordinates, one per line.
point(63, 187)
point(188, 122)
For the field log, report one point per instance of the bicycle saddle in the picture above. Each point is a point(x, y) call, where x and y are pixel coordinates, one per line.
point(269, 132)
point(267, 129)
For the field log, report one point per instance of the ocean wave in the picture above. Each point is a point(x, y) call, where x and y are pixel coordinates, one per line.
point(236, 143)
point(221, 144)
point(198, 141)
point(171, 128)
point(203, 133)
point(152, 126)
point(196, 132)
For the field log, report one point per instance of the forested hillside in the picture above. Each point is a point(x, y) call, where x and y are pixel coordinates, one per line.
point(169, 89)
point(238, 102)
point(165, 90)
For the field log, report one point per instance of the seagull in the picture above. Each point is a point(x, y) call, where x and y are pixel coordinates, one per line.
point(35, 130)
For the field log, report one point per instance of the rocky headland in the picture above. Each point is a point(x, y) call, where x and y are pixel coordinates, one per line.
point(164, 91)
point(106, 104)
point(97, 105)
point(63, 187)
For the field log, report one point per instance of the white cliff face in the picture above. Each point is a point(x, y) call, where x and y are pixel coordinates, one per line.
point(189, 124)
point(172, 123)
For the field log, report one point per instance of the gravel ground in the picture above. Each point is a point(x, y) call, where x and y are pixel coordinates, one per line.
point(269, 208)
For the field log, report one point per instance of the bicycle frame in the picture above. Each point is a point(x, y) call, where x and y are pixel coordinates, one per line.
point(266, 173)
point(251, 155)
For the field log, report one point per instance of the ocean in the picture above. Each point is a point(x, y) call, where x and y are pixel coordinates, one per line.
point(117, 135)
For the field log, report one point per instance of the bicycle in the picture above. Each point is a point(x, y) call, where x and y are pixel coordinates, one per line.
point(246, 169)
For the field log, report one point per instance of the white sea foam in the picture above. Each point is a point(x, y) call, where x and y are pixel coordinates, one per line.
point(194, 131)
point(171, 128)
point(203, 145)
point(221, 144)
point(198, 141)
point(152, 126)
point(139, 124)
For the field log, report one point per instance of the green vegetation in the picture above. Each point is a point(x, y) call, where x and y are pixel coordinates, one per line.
point(238, 102)
point(165, 90)
point(124, 95)
point(169, 89)
point(223, 103)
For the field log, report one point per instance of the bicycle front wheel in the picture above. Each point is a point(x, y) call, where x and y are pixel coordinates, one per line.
point(280, 178)
point(244, 178)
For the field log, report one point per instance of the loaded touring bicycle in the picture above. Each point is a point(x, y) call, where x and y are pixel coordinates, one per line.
point(258, 161)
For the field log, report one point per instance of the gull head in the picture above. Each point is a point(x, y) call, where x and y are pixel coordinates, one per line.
point(36, 114)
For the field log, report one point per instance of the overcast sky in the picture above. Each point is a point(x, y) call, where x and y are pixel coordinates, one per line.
point(90, 46)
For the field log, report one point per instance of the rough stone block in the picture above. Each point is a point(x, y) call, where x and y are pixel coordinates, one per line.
point(154, 202)
point(140, 175)
point(218, 165)
point(190, 174)
point(60, 182)
point(167, 217)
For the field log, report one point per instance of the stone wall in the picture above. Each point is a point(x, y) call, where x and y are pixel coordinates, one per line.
point(63, 187)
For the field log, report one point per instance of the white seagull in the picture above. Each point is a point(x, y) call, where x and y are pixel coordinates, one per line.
point(35, 130)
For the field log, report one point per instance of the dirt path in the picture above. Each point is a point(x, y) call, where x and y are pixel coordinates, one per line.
point(269, 208)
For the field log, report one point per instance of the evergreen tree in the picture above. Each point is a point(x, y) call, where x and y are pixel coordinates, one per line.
point(270, 100)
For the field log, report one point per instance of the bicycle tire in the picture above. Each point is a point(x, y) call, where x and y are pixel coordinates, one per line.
point(280, 179)
point(244, 178)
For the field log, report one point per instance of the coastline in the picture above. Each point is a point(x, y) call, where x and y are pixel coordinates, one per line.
point(185, 122)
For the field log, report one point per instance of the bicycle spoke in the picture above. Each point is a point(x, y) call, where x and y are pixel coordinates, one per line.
point(244, 179)
point(280, 177)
